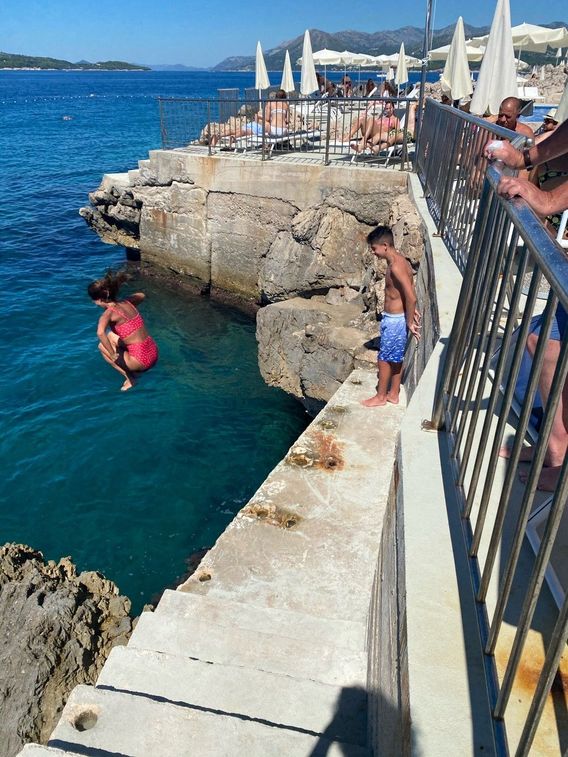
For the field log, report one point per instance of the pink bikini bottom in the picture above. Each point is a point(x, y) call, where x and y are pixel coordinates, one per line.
point(145, 352)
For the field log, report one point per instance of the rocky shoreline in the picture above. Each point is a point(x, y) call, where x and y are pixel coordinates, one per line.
point(57, 628)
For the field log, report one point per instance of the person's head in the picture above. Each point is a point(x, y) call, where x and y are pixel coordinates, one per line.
point(281, 95)
point(388, 109)
point(369, 86)
point(445, 100)
point(107, 288)
point(550, 123)
point(380, 240)
point(509, 113)
point(387, 89)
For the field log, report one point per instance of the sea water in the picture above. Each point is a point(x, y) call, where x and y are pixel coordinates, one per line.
point(127, 483)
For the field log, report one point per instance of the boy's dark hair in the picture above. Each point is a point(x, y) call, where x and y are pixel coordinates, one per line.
point(381, 234)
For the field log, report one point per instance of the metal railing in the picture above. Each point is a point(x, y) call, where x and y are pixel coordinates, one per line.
point(451, 168)
point(328, 127)
point(506, 255)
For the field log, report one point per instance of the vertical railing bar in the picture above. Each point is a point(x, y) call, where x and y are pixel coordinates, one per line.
point(515, 453)
point(472, 327)
point(533, 590)
point(481, 324)
point(490, 347)
point(451, 166)
point(495, 391)
point(458, 334)
point(327, 134)
point(554, 653)
point(530, 489)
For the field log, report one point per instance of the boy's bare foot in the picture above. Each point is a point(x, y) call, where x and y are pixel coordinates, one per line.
point(548, 479)
point(376, 401)
point(128, 384)
point(394, 400)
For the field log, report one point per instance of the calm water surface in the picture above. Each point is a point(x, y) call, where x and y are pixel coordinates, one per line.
point(126, 483)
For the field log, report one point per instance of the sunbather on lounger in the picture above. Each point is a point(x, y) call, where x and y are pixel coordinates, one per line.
point(375, 129)
point(276, 113)
point(397, 136)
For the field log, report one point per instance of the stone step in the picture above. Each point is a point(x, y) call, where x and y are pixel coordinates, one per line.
point(137, 725)
point(206, 641)
point(36, 750)
point(272, 699)
point(249, 617)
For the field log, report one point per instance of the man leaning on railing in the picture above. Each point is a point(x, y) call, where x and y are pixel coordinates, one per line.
point(544, 203)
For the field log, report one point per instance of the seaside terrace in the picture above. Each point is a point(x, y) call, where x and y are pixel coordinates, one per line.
point(508, 540)
point(465, 615)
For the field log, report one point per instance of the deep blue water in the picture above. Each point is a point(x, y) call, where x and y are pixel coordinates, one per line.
point(126, 483)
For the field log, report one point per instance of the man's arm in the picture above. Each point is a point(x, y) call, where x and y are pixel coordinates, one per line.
point(548, 149)
point(543, 203)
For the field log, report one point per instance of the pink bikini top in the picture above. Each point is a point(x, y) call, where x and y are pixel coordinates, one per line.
point(124, 330)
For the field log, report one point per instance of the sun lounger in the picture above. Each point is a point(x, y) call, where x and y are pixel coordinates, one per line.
point(298, 139)
point(529, 93)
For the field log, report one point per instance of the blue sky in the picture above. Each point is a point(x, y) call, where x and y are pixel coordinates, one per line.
point(202, 33)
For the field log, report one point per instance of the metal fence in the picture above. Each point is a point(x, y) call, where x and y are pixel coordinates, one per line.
point(451, 168)
point(329, 128)
point(495, 367)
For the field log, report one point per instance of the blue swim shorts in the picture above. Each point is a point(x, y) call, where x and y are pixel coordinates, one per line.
point(393, 337)
point(558, 327)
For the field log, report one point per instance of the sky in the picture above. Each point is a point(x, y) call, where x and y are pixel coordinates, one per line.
point(202, 33)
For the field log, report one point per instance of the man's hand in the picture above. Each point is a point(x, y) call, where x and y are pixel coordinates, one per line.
point(416, 325)
point(507, 153)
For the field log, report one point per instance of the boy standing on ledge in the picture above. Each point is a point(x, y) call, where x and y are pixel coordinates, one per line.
point(399, 317)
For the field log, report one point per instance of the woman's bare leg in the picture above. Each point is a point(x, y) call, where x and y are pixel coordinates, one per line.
point(129, 380)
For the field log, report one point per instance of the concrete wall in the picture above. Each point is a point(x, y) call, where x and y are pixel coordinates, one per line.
point(217, 219)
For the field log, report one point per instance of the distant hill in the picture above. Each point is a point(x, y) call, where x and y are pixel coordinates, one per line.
point(11, 61)
point(175, 67)
point(385, 42)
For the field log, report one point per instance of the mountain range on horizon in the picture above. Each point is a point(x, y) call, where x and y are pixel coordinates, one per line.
point(373, 43)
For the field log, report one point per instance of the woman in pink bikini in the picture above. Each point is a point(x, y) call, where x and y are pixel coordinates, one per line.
point(124, 342)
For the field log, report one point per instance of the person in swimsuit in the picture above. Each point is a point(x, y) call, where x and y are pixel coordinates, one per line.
point(400, 317)
point(123, 340)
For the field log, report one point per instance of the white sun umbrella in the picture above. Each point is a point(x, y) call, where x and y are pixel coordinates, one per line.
point(474, 54)
point(497, 76)
point(287, 83)
point(456, 78)
point(533, 38)
point(401, 76)
point(308, 80)
point(261, 80)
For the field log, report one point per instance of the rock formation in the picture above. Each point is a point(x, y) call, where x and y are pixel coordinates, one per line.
point(56, 631)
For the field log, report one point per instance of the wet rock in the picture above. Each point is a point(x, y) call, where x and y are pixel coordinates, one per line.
point(57, 628)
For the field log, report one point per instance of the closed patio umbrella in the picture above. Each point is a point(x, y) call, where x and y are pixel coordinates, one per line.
point(261, 80)
point(497, 76)
point(456, 78)
point(401, 76)
point(287, 83)
point(562, 109)
point(308, 81)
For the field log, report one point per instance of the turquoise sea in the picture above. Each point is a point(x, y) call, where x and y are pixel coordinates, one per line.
point(132, 483)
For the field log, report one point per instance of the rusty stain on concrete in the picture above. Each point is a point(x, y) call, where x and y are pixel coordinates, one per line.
point(322, 451)
point(271, 514)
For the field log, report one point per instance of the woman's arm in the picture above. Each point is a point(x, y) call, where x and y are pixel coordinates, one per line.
point(103, 325)
point(136, 298)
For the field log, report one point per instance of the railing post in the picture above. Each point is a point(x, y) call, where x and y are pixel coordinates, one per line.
point(210, 151)
point(327, 133)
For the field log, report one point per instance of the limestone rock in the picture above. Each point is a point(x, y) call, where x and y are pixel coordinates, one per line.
point(408, 229)
point(370, 208)
point(330, 258)
point(308, 347)
point(56, 630)
point(242, 228)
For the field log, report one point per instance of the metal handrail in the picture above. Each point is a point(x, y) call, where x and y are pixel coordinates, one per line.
point(324, 126)
point(507, 255)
